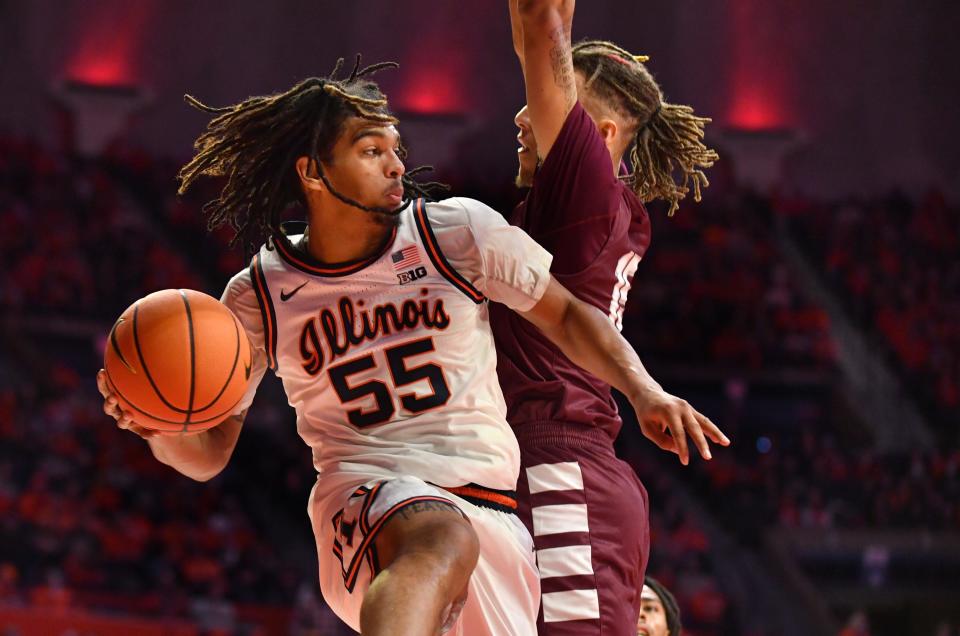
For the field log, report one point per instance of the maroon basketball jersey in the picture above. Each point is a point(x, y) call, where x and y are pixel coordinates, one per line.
point(597, 231)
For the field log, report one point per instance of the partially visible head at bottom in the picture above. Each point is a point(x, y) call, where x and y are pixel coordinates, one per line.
point(659, 612)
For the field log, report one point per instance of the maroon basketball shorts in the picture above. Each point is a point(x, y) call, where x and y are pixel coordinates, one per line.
point(587, 512)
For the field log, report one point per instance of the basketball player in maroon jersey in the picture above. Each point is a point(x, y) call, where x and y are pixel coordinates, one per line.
point(588, 106)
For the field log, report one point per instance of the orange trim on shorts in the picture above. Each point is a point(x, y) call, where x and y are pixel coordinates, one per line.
point(470, 492)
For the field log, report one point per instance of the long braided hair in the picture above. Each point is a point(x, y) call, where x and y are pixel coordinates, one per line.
point(668, 137)
point(255, 145)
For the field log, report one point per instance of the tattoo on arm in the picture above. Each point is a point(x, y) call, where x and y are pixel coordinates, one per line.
point(561, 62)
point(427, 506)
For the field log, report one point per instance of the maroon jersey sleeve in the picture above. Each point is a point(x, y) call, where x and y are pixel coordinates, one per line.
point(574, 201)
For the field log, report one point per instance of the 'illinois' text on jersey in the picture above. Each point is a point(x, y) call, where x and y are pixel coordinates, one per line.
point(348, 327)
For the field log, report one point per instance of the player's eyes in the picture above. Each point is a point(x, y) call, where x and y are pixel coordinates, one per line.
point(374, 151)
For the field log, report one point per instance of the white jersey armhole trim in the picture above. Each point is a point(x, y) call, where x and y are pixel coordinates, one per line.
point(267, 312)
point(436, 254)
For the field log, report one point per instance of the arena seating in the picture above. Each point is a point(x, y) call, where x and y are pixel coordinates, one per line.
point(894, 262)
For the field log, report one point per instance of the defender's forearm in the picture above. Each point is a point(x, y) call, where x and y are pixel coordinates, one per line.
point(592, 342)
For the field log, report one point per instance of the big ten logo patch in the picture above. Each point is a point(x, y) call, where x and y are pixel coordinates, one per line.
point(411, 275)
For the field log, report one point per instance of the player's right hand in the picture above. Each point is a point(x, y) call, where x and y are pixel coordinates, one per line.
point(111, 406)
point(667, 420)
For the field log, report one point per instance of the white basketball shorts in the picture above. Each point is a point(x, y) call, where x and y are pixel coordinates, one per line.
point(504, 591)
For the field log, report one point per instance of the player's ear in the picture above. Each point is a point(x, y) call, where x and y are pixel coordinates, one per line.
point(309, 177)
point(608, 130)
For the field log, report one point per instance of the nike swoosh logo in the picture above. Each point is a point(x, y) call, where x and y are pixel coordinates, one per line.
point(284, 296)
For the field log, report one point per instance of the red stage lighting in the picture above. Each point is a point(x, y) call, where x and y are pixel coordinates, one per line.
point(107, 43)
point(755, 109)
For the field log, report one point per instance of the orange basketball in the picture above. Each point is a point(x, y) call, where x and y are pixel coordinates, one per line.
point(178, 360)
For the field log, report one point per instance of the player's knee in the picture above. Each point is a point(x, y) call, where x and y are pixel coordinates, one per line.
point(444, 549)
point(465, 543)
point(452, 544)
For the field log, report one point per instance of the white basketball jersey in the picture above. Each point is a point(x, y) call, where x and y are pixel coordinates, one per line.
point(390, 362)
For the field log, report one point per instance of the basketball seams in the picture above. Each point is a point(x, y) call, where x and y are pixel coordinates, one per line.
point(116, 345)
point(146, 369)
point(131, 405)
point(193, 359)
point(233, 369)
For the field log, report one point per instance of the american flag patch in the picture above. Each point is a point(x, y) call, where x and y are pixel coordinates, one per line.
point(405, 258)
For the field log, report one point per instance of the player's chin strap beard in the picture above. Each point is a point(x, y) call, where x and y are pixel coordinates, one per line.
point(374, 209)
point(408, 185)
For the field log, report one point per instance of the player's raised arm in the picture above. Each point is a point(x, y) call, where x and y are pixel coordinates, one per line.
point(590, 340)
point(547, 62)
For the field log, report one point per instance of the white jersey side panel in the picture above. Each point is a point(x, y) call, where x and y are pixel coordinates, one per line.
point(390, 364)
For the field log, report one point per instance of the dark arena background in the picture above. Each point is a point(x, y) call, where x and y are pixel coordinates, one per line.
point(810, 305)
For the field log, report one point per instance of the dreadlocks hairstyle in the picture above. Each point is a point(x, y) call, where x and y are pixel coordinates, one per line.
point(668, 136)
point(255, 145)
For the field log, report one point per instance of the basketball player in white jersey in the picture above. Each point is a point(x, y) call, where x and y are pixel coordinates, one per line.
point(374, 315)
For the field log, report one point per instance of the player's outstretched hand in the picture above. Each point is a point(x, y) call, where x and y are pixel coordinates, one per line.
point(666, 420)
point(112, 408)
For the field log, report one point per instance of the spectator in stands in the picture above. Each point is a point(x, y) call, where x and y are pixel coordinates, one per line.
point(892, 262)
point(659, 612)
